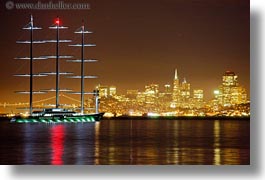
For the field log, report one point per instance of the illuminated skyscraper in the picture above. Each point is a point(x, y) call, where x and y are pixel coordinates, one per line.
point(176, 94)
point(230, 93)
point(238, 95)
point(229, 82)
point(230, 79)
point(184, 94)
point(198, 98)
point(198, 95)
point(151, 93)
point(185, 90)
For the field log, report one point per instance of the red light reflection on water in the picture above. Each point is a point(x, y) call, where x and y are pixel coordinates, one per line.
point(57, 144)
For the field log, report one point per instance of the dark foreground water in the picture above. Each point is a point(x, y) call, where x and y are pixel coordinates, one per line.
point(217, 142)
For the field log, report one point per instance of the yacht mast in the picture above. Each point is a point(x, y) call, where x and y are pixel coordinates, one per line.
point(31, 66)
point(31, 28)
point(82, 76)
point(57, 26)
point(82, 69)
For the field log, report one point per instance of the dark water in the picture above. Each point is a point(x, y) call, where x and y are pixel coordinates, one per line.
point(217, 142)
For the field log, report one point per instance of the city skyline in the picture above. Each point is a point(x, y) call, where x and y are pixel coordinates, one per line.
point(171, 84)
point(177, 98)
point(141, 48)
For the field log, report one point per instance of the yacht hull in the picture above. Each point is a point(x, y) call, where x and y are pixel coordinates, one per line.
point(86, 118)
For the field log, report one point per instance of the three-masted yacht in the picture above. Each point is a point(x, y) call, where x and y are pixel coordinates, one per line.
point(58, 114)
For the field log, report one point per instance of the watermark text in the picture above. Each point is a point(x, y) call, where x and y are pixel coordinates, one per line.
point(59, 5)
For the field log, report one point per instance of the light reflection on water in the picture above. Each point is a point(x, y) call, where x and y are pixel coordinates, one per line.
point(127, 142)
point(217, 150)
point(97, 128)
point(57, 144)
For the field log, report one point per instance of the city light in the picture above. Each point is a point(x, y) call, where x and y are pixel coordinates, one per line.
point(216, 92)
point(151, 114)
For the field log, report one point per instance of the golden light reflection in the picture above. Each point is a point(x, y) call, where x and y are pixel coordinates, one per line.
point(174, 159)
point(217, 150)
point(97, 128)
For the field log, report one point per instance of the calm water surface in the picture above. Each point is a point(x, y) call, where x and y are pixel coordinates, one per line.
point(217, 142)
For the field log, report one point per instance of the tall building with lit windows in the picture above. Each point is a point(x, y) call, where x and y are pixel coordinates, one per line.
point(198, 95)
point(198, 98)
point(151, 93)
point(230, 93)
point(185, 94)
point(185, 90)
point(230, 79)
point(176, 93)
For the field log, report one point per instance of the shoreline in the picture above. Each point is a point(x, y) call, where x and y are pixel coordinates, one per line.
point(178, 118)
point(165, 118)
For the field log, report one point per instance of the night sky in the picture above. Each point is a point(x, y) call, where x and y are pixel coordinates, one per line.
point(138, 42)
